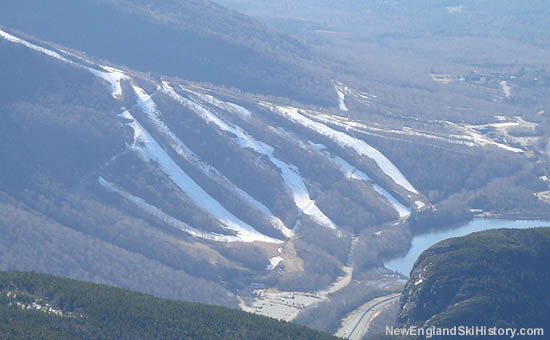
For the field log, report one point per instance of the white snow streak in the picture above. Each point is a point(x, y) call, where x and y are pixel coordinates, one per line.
point(274, 262)
point(480, 139)
point(359, 96)
point(150, 150)
point(419, 204)
point(148, 106)
point(341, 99)
point(402, 210)
point(154, 211)
point(346, 141)
point(290, 173)
point(470, 139)
point(226, 106)
point(506, 88)
point(113, 76)
point(46, 51)
point(352, 172)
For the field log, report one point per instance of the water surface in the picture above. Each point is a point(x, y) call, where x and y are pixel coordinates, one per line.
point(420, 243)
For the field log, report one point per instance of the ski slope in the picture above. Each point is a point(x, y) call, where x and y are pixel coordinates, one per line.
point(352, 172)
point(149, 107)
point(345, 141)
point(149, 149)
point(290, 174)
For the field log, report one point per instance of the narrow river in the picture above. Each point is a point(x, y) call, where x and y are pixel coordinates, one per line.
point(420, 243)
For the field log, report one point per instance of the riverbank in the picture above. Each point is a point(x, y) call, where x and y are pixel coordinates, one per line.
point(419, 243)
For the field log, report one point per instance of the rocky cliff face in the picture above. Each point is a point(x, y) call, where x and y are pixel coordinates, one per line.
point(495, 278)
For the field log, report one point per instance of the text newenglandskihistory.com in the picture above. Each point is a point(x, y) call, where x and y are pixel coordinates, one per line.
point(466, 331)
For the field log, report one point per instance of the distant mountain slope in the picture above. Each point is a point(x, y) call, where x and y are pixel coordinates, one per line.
point(59, 127)
point(201, 193)
point(508, 19)
point(193, 39)
point(107, 169)
point(36, 306)
point(494, 278)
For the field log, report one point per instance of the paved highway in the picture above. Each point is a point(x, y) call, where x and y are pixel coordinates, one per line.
point(355, 325)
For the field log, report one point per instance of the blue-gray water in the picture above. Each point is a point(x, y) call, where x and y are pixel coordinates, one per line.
point(420, 243)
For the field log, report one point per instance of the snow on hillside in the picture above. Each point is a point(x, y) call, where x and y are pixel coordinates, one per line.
point(402, 210)
point(341, 99)
point(345, 141)
point(110, 74)
point(113, 76)
point(149, 107)
point(226, 106)
point(149, 149)
point(470, 138)
point(274, 262)
point(32, 46)
point(359, 96)
point(352, 172)
point(172, 221)
point(290, 174)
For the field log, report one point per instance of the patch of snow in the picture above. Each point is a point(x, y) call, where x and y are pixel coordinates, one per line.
point(276, 222)
point(470, 139)
point(381, 132)
point(146, 103)
point(479, 139)
point(149, 149)
point(341, 99)
point(352, 172)
point(344, 91)
point(113, 76)
point(346, 141)
point(156, 212)
point(274, 262)
point(290, 174)
point(506, 88)
point(226, 106)
point(37, 48)
point(152, 151)
point(455, 9)
point(419, 204)
point(402, 210)
point(39, 305)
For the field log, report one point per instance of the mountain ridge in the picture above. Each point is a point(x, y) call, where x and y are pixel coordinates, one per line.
point(491, 278)
point(168, 39)
point(38, 306)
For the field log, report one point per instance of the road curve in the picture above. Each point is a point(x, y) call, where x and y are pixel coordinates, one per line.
point(355, 324)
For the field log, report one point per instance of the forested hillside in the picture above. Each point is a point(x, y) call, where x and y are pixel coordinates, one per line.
point(493, 278)
point(36, 306)
point(197, 40)
point(414, 19)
